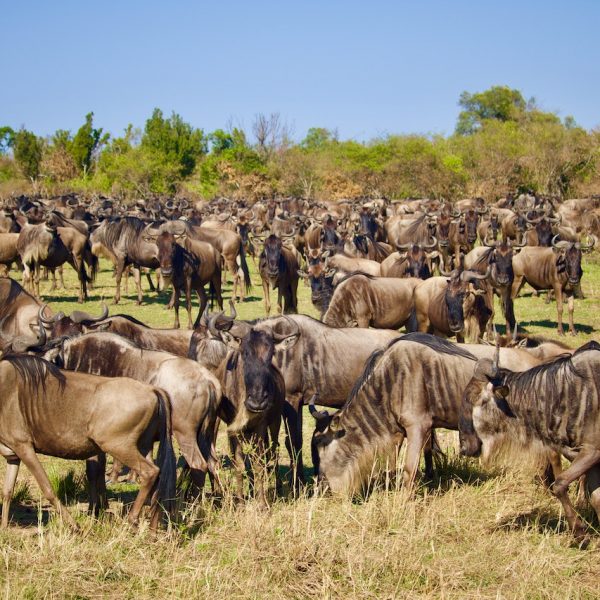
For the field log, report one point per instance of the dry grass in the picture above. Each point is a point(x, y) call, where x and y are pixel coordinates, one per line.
point(473, 533)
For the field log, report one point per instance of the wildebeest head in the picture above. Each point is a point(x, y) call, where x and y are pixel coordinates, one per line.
point(329, 236)
point(443, 229)
point(460, 295)
point(418, 258)
point(273, 255)
point(471, 220)
point(501, 262)
point(569, 256)
point(320, 279)
point(76, 323)
point(367, 223)
point(484, 407)
point(167, 253)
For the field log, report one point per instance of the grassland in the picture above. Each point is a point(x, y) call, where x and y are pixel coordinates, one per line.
point(475, 532)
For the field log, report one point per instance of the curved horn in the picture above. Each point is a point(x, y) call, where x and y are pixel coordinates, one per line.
point(470, 275)
point(277, 337)
point(317, 414)
point(560, 244)
point(57, 317)
point(232, 310)
point(407, 246)
point(589, 245)
point(486, 243)
point(432, 245)
point(79, 316)
point(445, 273)
point(219, 322)
point(484, 210)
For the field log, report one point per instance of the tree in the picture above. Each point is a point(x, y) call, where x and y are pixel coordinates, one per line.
point(85, 144)
point(175, 140)
point(499, 102)
point(316, 138)
point(27, 150)
point(271, 133)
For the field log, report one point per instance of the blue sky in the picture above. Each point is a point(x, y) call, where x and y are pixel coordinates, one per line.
point(365, 68)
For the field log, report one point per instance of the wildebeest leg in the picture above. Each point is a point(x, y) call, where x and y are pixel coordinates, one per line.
point(239, 466)
point(584, 461)
point(53, 276)
point(416, 440)
point(12, 470)
point(61, 278)
point(120, 266)
point(267, 296)
point(137, 277)
point(216, 282)
point(150, 282)
point(559, 308)
point(176, 306)
point(28, 456)
point(273, 453)
point(202, 301)
point(36, 280)
point(280, 301)
point(591, 481)
point(516, 286)
point(259, 468)
point(292, 420)
point(117, 467)
point(571, 306)
point(188, 302)
point(206, 442)
point(94, 469)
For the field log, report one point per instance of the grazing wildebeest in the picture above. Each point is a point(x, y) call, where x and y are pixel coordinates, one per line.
point(406, 390)
point(123, 240)
point(279, 268)
point(194, 391)
point(253, 396)
point(188, 271)
point(78, 416)
point(557, 268)
point(360, 300)
point(554, 404)
point(453, 306)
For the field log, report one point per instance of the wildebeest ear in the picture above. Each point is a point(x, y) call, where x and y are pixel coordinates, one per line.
point(230, 340)
point(335, 427)
point(287, 342)
point(500, 395)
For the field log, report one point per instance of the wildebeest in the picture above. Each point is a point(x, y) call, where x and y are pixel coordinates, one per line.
point(557, 268)
point(42, 245)
point(555, 404)
point(498, 260)
point(194, 391)
point(253, 396)
point(18, 308)
point(360, 300)
point(406, 390)
point(453, 306)
point(279, 269)
point(414, 261)
point(189, 267)
point(175, 341)
point(8, 250)
point(122, 239)
point(77, 416)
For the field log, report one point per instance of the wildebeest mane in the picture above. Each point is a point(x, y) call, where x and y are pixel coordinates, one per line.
point(34, 371)
point(131, 319)
point(482, 262)
point(435, 343)
point(122, 229)
point(352, 274)
point(412, 229)
point(369, 367)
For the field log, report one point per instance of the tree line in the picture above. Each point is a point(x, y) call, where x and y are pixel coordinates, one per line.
point(502, 143)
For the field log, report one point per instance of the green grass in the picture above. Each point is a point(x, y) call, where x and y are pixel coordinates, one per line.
point(474, 532)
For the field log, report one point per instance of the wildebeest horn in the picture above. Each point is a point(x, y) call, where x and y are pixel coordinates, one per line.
point(432, 245)
point(219, 322)
point(407, 246)
point(470, 275)
point(445, 273)
point(278, 337)
point(555, 219)
point(317, 414)
point(560, 244)
point(232, 310)
point(78, 316)
point(589, 245)
point(57, 317)
point(484, 210)
point(486, 243)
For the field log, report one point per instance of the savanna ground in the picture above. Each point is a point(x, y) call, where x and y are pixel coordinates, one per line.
point(474, 532)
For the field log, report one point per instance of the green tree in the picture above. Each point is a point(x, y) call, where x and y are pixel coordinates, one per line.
point(177, 141)
point(27, 150)
point(500, 103)
point(85, 144)
point(316, 138)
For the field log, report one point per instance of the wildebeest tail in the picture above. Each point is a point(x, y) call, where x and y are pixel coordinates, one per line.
point(411, 324)
point(92, 260)
point(166, 455)
point(244, 266)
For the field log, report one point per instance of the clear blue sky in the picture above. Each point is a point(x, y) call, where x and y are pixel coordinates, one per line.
point(366, 68)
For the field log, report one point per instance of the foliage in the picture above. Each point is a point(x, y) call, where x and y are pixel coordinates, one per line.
point(86, 142)
point(27, 150)
point(6, 138)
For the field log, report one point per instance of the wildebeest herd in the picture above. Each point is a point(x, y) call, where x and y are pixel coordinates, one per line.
point(79, 386)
